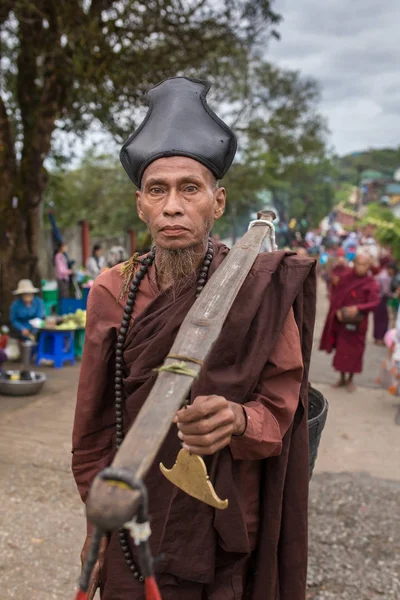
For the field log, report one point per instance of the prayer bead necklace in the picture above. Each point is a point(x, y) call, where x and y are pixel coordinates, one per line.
point(119, 369)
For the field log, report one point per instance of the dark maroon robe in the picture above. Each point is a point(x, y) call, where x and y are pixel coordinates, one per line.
point(195, 538)
point(351, 290)
point(337, 272)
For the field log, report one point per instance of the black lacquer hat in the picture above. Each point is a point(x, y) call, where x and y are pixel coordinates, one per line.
point(179, 122)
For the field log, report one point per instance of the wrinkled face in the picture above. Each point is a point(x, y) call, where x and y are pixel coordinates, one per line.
point(179, 202)
point(362, 265)
point(27, 298)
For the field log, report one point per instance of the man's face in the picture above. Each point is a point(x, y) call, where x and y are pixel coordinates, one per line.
point(179, 202)
point(362, 265)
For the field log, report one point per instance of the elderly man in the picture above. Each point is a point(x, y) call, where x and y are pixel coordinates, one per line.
point(248, 410)
point(355, 295)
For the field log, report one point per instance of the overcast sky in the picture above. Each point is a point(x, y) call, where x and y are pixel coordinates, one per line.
point(353, 48)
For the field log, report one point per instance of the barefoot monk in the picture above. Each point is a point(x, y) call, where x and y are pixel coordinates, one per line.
point(355, 295)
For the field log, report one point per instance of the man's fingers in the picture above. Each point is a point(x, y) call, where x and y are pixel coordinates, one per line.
point(207, 425)
point(208, 450)
point(204, 426)
point(208, 441)
point(202, 407)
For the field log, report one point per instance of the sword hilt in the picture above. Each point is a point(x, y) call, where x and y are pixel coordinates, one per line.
point(266, 215)
point(266, 218)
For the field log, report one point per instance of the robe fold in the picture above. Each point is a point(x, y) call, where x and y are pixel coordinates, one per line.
point(349, 343)
point(193, 537)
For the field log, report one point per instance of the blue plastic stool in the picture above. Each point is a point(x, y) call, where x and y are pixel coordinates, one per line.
point(57, 346)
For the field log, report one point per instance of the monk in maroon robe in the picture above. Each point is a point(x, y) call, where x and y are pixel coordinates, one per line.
point(339, 268)
point(247, 413)
point(355, 295)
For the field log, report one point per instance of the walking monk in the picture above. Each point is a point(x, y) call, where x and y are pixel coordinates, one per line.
point(339, 268)
point(355, 295)
point(247, 413)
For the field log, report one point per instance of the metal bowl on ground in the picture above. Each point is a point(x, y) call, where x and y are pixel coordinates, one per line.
point(317, 413)
point(21, 387)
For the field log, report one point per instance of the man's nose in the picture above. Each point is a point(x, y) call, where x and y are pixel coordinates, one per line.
point(173, 204)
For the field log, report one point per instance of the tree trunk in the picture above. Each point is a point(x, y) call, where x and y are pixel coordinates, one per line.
point(22, 188)
point(16, 260)
point(12, 238)
point(19, 225)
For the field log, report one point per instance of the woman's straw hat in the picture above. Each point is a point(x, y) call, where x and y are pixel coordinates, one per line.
point(25, 286)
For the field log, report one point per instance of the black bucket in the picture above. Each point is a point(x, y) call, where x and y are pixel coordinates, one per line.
point(317, 413)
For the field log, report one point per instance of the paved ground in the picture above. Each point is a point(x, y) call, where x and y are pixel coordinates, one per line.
point(354, 538)
point(40, 511)
point(354, 517)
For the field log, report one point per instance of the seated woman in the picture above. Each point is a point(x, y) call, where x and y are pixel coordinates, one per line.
point(25, 308)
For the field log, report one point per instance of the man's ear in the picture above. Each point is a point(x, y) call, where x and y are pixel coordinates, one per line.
point(139, 206)
point(220, 202)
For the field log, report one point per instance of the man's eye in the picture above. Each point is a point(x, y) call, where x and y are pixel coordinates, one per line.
point(191, 188)
point(155, 190)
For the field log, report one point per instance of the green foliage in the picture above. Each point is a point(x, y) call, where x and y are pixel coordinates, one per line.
point(98, 191)
point(390, 236)
point(284, 119)
point(380, 213)
point(283, 150)
point(387, 226)
point(310, 192)
point(351, 166)
point(244, 182)
point(343, 192)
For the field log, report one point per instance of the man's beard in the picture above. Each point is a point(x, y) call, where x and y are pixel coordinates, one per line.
point(176, 269)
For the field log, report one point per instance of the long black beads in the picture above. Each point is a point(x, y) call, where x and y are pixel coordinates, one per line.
point(202, 280)
point(119, 370)
point(119, 361)
point(124, 540)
